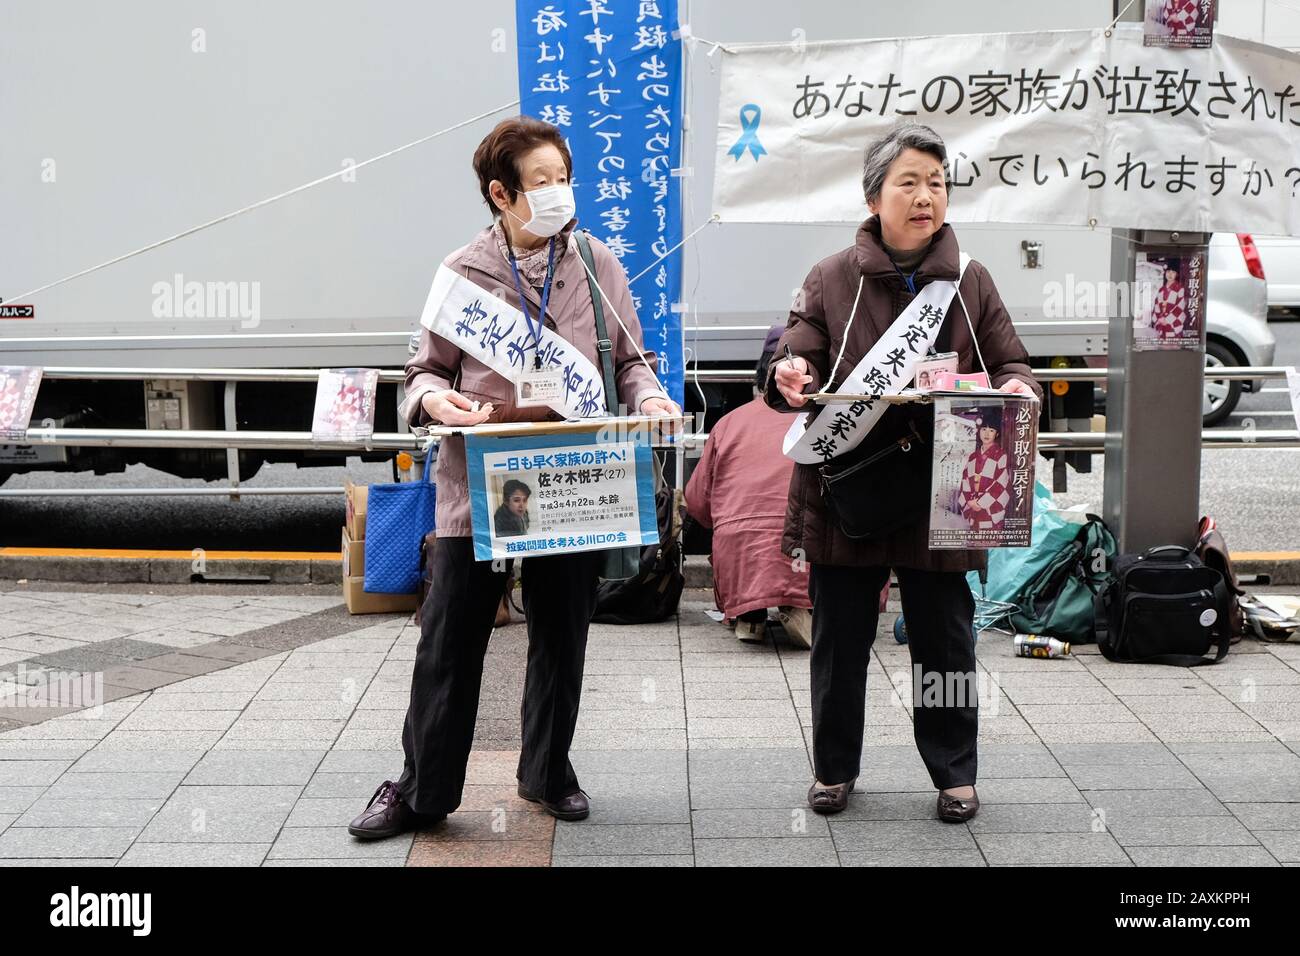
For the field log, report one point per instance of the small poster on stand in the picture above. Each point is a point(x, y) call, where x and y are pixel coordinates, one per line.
point(540, 493)
point(345, 404)
point(982, 486)
point(18, 388)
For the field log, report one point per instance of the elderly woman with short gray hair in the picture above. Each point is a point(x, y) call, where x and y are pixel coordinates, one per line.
point(848, 304)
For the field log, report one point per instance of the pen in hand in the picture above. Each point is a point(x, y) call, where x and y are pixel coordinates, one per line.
point(789, 357)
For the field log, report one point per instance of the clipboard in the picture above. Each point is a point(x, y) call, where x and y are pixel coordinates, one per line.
point(515, 429)
point(907, 396)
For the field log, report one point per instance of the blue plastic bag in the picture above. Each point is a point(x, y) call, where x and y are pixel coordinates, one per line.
point(398, 516)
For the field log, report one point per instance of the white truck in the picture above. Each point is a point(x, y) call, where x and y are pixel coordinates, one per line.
point(124, 125)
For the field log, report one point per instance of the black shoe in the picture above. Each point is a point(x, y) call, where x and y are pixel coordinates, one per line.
point(952, 809)
point(387, 815)
point(832, 799)
point(575, 806)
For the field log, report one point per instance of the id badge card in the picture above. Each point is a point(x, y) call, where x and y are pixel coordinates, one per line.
point(539, 387)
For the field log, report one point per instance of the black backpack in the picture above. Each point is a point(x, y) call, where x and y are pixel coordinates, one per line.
point(1164, 607)
point(653, 593)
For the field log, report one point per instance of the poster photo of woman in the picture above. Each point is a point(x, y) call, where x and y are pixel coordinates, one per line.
point(986, 479)
point(1169, 301)
point(18, 387)
point(984, 452)
point(345, 404)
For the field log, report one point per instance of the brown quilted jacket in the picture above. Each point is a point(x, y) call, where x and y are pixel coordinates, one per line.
point(815, 333)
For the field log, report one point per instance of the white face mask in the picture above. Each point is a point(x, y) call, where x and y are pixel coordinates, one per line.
point(552, 208)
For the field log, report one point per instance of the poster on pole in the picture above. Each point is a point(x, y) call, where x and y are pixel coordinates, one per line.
point(982, 484)
point(559, 493)
point(1188, 24)
point(1169, 299)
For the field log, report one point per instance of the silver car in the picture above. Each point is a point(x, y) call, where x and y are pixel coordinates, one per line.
point(1281, 259)
point(1237, 331)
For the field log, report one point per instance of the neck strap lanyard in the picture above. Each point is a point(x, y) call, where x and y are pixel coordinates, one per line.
point(523, 302)
point(908, 279)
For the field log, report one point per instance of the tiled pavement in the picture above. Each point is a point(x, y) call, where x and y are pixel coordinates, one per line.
point(692, 746)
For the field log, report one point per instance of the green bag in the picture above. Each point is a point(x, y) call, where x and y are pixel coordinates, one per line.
point(1009, 569)
point(1058, 600)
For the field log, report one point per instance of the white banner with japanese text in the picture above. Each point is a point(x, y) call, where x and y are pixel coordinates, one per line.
point(1067, 127)
point(496, 333)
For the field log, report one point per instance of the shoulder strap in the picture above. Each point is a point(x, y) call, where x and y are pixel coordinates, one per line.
point(603, 343)
point(943, 342)
point(1101, 622)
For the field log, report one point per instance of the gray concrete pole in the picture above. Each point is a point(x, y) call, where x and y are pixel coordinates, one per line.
point(1151, 493)
point(1153, 413)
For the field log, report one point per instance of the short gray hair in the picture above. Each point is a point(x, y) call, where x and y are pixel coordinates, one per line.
point(882, 153)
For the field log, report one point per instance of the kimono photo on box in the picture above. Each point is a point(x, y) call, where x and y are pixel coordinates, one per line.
point(984, 453)
point(986, 479)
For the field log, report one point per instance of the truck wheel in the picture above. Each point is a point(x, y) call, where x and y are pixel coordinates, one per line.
point(1220, 397)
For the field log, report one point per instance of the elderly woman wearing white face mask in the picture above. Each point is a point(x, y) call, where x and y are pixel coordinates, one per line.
point(531, 258)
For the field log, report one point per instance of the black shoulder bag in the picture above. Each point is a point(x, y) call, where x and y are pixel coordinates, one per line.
point(872, 495)
point(1164, 607)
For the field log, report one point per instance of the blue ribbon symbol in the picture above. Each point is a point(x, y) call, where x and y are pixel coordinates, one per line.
point(750, 115)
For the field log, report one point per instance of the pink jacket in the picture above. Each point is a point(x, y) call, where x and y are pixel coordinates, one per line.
point(440, 364)
point(740, 489)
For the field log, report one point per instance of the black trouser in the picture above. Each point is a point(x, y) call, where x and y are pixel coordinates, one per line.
point(939, 609)
point(455, 624)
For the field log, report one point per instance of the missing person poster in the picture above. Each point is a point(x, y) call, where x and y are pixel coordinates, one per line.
point(345, 404)
point(982, 486)
point(1169, 301)
point(1179, 23)
point(559, 494)
point(18, 388)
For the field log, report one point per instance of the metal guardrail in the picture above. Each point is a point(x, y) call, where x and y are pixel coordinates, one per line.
point(85, 373)
point(232, 440)
point(709, 376)
point(718, 376)
point(146, 438)
point(160, 492)
point(181, 438)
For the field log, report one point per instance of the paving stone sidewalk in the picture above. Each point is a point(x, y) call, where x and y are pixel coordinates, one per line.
point(247, 728)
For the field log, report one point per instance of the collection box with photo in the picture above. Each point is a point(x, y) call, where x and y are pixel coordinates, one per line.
point(982, 485)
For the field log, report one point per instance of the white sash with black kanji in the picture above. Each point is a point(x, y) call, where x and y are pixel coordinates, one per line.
point(497, 334)
point(886, 370)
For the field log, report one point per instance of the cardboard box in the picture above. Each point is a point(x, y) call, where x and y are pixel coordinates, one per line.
point(354, 556)
point(359, 602)
point(355, 509)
